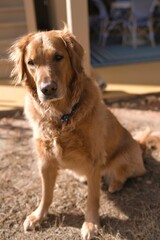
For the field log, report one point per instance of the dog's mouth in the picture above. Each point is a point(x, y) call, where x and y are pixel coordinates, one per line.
point(49, 98)
point(46, 99)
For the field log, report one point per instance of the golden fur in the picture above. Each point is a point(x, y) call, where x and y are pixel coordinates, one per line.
point(91, 142)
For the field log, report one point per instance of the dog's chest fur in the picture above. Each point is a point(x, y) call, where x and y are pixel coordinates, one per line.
point(72, 147)
point(67, 146)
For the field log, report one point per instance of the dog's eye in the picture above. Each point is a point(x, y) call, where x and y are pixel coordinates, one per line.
point(58, 57)
point(30, 62)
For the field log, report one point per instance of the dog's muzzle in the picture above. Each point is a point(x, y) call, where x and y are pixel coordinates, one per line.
point(48, 88)
point(47, 91)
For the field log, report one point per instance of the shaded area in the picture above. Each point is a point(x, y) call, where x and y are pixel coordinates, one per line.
point(149, 101)
point(14, 112)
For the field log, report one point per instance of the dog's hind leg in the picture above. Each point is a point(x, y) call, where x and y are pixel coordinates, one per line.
point(116, 185)
point(113, 180)
point(114, 176)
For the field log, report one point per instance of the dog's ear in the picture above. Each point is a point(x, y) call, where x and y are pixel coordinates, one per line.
point(76, 53)
point(16, 55)
point(75, 50)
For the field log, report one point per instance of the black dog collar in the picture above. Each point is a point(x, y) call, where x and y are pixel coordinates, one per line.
point(66, 117)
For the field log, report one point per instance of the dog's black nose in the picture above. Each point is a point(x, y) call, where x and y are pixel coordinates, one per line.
point(48, 88)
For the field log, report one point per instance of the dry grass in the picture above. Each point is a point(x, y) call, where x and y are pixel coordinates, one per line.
point(132, 214)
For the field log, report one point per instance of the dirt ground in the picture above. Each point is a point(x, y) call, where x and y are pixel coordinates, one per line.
point(131, 214)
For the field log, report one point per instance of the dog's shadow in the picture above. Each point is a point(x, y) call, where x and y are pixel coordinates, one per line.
point(64, 220)
point(138, 206)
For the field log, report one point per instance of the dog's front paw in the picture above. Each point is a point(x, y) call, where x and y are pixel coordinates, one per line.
point(31, 221)
point(89, 230)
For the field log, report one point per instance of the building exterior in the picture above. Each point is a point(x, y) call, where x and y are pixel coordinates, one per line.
point(20, 17)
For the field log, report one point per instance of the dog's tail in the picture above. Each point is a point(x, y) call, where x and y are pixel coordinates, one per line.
point(148, 139)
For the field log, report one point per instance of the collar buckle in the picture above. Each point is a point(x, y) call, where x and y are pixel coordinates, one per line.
point(65, 117)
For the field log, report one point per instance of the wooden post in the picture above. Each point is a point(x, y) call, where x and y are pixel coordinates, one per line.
point(77, 20)
point(30, 15)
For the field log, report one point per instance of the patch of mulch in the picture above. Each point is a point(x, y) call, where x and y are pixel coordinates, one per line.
point(142, 102)
point(131, 214)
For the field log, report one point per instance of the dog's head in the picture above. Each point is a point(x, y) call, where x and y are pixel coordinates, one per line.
point(48, 63)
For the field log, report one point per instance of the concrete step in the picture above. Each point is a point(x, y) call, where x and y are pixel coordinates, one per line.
point(12, 29)
point(9, 3)
point(11, 97)
point(16, 14)
point(5, 68)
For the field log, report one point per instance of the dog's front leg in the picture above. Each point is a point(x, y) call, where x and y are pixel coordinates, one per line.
point(48, 172)
point(91, 224)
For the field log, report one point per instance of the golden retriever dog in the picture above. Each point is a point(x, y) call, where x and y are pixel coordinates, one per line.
point(72, 127)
